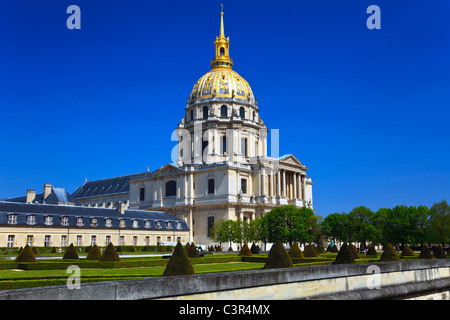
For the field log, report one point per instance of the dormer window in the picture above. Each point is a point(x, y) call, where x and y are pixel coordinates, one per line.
point(31, 219)
point(178, 225)
point(12, 218)
point(158, 224)
point(48, 220)
point(169, 225)
point(80, 222)
point(93, 222)
point(65, 221)
point(108, 222)
point(147, 224)
point(135, 223)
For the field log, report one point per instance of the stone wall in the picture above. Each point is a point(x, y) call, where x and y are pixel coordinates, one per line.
point(352, 281)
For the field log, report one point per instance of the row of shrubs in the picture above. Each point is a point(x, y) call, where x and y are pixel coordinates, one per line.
point(48, 250)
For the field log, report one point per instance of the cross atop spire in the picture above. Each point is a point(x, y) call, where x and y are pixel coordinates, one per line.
point(221, 47)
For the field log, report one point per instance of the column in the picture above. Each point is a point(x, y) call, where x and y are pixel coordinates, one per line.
point(284, 183)
point(304, 188)
point(295, 185)
point(263, 182)
point(272, 183)
point(279, 183)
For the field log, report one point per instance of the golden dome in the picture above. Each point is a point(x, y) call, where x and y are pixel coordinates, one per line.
point(221, 81)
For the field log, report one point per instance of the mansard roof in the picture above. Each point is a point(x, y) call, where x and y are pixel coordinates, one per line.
point(56, 196)
point(107, 186)
point(40, 211)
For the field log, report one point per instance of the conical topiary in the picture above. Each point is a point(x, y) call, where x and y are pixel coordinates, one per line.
point(310, 251)
point(35, 250)
point(371, 250)
point(321, 248)
point(295, 251)
point(255, 249)
point(26, 255)
point(94, 253)
point(193, 252)
point(230, 249)
point(278, 257)
point(407, 251)
point(334, 249)
point(245, 251)
point(71, 253)
point(345, 255)
point(354, 251)
point(110, 254)
point(425, 253)
point(389, 254)
point(187, 246)
point(439, 252)
point(179, 264)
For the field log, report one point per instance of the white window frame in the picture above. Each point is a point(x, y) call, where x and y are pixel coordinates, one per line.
point(11, 241)
point(63, 240)
point(31, 219)
point(12, 218)
point(65, 222)
point(80, 221)
point(48, 220)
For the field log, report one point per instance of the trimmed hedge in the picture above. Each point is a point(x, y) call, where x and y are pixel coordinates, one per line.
point(26, 255)
point(278, 257)
point(70, 253)
point(439, 252)
point(310, 251)
point(295, 251)
point(345, 255)
point(407, 251)
point(110, 254)
point(425, 253)
point(179, 263)
point(389, 254)
point(245, 251)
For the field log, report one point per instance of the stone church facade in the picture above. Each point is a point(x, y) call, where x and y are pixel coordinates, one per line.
point(222, 169)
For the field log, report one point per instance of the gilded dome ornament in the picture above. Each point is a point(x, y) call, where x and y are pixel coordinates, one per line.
point(221, 81)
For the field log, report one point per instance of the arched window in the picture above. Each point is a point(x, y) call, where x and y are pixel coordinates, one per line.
point(223, 111)
point(222, 51)
point(242, 112)
point(171, 188)
point(254, 115)
point(205, 112)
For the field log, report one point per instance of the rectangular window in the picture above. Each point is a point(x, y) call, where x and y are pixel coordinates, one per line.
point(147, 240)
point(135, 223)
point(244, 146)
point(169, 225)
point(158, 240)
point(12, 218)
point(135, 240)
point(108, 222)
point(79, 238)
point(63, 241)
point(93, 222)
point(211, 188)
point(147, 224)
point(244, 186)
point(31, 220)
point(122, 223)
point(48, 220)
point(11, 241)
point(47, 241)
point(169, 239)
point(65, 221)
point(93, 240)
point(210, 225)
point(223, 145)
point(80, 221)
point(158, 224)
point(107, 240)
point(30, 240)
point(121, 240)
point(178, 225)
point(142, 194)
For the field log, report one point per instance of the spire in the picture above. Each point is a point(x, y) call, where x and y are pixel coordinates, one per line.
point(222, 46)
point(222, 32)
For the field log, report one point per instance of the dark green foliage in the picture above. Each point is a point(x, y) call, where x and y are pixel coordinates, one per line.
point(407, 251)
point(71, 253)
point(94, 253)
point(371, 250)
point(193, 252)
point(295, 251)
point(255, 249)
point(219, 248)
point(354, 251)
point(54, 250)
point(119, 249)
point(321, 248)
point(439, 252)
point(425, 253)
point(245, 251)
point(179, 264)
point(161, 248)
point(310, 251)
point(187, 246)
point(345, 255)
point(110, 254)
point(389, 254)
point(86, 250)
point(26, 255)
point(278, 257)
point(229, 249)
point(35, 250)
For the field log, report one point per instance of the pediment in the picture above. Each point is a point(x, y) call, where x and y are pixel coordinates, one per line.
point(291, 159)
point(168, 169)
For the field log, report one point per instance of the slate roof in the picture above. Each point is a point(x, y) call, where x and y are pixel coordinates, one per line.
point(57, 195)
point(40, 211)
point(106, 186)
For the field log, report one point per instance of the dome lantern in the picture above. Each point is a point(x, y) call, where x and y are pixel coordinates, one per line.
point(222, 48)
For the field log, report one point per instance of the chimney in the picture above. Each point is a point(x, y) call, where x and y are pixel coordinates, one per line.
point(47, 190)
point(121, 207)
point(31, 194)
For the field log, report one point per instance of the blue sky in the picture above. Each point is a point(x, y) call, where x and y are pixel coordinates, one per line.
point(367, 111)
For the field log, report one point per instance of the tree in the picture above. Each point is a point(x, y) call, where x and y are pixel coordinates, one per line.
point(440, 222)
point(224, 231)
point(179, 263)
point(71, 253)
point(359, 219)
